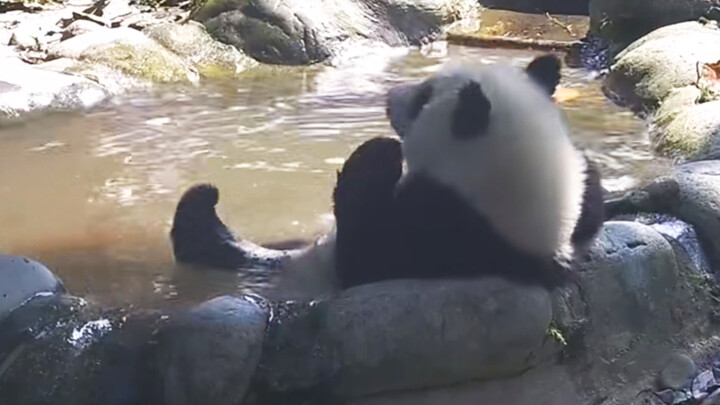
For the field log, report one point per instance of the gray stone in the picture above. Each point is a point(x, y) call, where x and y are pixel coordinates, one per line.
point(298, 32)
point(22, 279)
point(677, 371)
point(407, 334)
point(25, 88)
point(128, 51)
point(645, 73)
point(192, 42)
point(5, 36)
point(691, 193)
point(624, 21)
point(209, 355)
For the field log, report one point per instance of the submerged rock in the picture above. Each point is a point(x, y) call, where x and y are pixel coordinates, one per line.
point(296, 32)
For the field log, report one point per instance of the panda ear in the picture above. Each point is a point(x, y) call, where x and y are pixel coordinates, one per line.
point(545, 71)
point(472, 112)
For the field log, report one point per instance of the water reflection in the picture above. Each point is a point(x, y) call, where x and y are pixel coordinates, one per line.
point(93, 195)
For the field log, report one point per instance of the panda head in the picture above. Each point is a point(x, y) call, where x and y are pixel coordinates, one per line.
point(493, 135)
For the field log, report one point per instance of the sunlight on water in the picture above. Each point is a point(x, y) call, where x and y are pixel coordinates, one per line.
point(93, 195)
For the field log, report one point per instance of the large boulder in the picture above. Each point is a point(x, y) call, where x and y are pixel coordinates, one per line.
point(25, 88)
point(129, 51)
point(192, 42)
point(659, 76)
point(21, 280)
point(691, 193)
point(297, 32)
point(404, 334)
point(623, 21)
point(209, 354)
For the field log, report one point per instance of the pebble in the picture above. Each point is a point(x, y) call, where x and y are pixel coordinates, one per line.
point(678, 369)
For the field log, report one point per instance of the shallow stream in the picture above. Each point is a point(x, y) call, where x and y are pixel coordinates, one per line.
point(92, 195)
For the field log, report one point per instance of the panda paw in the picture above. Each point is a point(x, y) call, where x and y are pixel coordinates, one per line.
point(199, 236)
point(368, 178)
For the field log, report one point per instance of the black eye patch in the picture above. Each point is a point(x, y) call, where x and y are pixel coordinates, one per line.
point(472, 112)
point(419, 100)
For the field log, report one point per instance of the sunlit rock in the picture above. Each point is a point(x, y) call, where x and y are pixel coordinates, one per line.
point(25, 88)
point(301, 32)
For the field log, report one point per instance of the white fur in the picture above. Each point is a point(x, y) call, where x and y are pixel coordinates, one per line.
point(523, 175)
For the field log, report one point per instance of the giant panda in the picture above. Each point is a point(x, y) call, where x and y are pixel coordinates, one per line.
point(492, 186)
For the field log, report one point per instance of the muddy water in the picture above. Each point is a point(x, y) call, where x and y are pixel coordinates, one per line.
point(92, 195)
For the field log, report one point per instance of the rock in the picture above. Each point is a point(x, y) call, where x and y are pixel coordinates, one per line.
point(24, 40)
point(623, 21)
point(677, 372)
point(209, 355)
point(657, 75)
point(22, 279)
point(645, 73)
point(192, 42)
point(684, 129)
point(5, 36)
point(405, 334)
point(79, 27)
point(691, 193)
point(295, 32)
point(564, 7)
point(712, 399)
point(25, 88)
point(128, 51)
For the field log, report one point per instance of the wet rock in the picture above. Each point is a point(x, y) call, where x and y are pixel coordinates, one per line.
point(128, 51)
point(712, 399)
point(677, 372)
point(691, 193)
point(646, 72)
point(623, 21)
point(21, 279)
point(296, 32)
point(192, 42)
point(658, 76)
point(209, 355)
point(25, 88)
point(405, 334)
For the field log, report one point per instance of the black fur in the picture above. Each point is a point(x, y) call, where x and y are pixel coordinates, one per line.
point(199, 236)
point(472, 112)
point(426, 231)
point(421, 97)
point(545, 70)
point(592, 215)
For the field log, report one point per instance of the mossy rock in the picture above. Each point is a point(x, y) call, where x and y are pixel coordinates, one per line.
point(192, 42)
point(128, 51)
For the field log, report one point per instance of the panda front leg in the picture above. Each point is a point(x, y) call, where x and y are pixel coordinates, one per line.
point(366, 212)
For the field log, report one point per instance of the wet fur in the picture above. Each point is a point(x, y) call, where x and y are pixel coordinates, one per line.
point(417, 225)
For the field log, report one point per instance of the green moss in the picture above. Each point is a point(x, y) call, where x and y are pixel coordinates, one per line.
point(139, 61)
